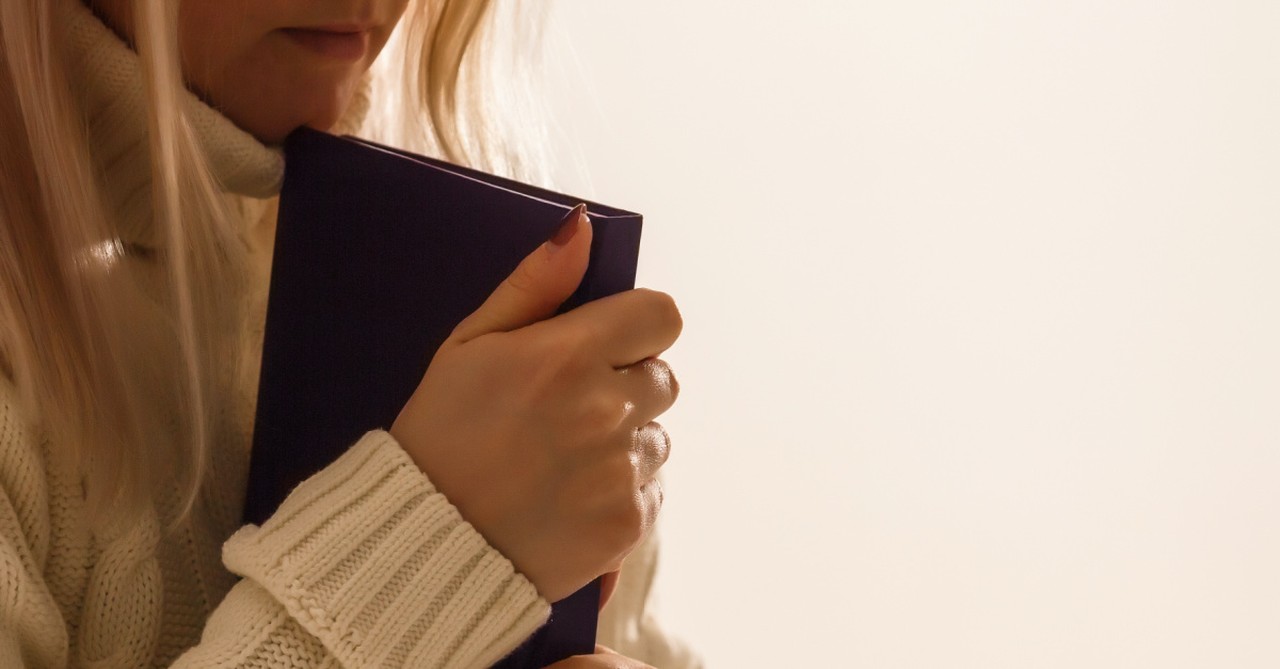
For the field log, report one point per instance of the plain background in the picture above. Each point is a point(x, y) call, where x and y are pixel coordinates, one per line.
point(980, 366)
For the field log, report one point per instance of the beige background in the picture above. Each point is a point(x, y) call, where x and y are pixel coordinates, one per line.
point(981, 359)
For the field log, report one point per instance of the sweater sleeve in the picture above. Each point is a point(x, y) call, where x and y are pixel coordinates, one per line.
point(365, 564)
point(371, 561)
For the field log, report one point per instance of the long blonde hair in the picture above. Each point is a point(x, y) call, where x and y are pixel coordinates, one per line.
point(89, 379)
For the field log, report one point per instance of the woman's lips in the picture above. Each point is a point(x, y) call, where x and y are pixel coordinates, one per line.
point(338, 42)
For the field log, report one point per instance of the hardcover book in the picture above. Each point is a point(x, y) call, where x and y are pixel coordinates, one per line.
point(378, 254)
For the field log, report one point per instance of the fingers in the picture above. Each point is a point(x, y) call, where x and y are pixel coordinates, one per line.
point(651, 386)
point(652, 497)
point(538, 285)
point(651, 450)
point(626, 327)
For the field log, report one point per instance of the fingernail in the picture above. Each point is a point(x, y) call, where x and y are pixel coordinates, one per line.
point(568, 228)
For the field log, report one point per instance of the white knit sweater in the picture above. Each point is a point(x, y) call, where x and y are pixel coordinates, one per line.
point(364, 565)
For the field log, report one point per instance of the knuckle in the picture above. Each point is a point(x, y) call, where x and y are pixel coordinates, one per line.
point(665, 311)
point(664, 379)
point(661, 444)
point(673, 384)
point(639, 516)
point(630, 521)
point(660, 496)
point(628, 517)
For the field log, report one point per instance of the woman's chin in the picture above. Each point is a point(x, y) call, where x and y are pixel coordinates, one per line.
point(286, 83)
point(271, 123)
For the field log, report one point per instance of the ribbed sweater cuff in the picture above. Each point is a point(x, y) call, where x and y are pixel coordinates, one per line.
point(381, 568)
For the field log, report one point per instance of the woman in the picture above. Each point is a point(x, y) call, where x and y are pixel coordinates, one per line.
point(135, 225)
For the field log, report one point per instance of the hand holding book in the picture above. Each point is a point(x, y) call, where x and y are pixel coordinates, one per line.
point(539, 428)
point(380, 256)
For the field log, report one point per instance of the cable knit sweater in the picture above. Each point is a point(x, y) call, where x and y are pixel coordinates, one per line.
point(364, 565)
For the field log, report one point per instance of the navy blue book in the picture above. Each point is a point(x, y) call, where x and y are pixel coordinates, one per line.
point(378, 254)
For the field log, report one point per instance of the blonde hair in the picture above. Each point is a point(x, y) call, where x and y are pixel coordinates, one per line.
point(89, 379)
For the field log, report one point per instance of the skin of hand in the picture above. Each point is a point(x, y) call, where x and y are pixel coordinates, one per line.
point(539, 428)
point(603, 658)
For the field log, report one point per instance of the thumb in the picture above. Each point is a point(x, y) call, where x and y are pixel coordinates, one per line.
point(538, 285)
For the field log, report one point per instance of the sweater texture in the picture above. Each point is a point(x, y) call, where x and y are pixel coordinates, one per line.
point(365, 564)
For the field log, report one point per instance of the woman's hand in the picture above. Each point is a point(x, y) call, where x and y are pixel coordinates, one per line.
point(608, 584)
point(603, 658)
point(540, 429)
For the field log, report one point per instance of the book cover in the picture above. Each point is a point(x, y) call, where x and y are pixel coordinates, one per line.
point(378, 255)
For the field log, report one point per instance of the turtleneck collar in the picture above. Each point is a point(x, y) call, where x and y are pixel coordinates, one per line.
point(109, 82)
